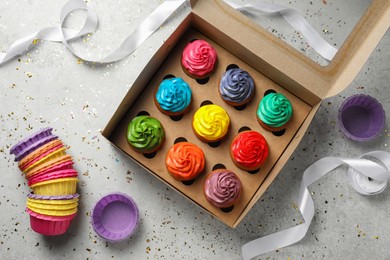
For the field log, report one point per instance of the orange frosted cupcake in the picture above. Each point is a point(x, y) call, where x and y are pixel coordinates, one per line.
point(185, 161)
point(249, 150)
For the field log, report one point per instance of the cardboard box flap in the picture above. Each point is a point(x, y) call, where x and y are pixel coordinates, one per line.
point(284, 64)
point(359, 45)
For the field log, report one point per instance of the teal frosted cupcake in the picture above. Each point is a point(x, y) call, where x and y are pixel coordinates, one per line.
point(145, 134)
point(274, 112)
point(173, 96)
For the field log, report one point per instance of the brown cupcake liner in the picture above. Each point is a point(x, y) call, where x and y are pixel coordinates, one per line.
point(273, 129)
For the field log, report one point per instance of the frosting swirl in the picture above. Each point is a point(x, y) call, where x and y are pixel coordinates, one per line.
point(249, 149)
point(173, 95)
point(184, 161)
point(211, 122)
point(199, 58)
point(236, 85)
point(145, 133)
point(274, 110)
point(222, 188)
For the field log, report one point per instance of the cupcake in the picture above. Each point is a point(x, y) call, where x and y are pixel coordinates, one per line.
point(145, 134)
point(173, 96)
point(274, 112)
point(198, 59)
point(236, 87)
point(222, 188)
point(210, 123)
point(249, 150)
point(184, 161)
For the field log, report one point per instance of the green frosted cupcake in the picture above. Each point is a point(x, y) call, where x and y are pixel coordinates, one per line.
point(274, 112)
point(145, 134)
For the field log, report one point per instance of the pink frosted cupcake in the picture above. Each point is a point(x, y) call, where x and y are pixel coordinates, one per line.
point(199, 59)
point(222, 188)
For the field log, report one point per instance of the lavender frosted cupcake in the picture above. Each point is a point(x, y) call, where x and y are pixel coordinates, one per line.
point(236, 87)
point(222, 188)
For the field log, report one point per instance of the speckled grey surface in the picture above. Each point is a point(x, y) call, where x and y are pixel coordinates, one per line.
point(50, 87)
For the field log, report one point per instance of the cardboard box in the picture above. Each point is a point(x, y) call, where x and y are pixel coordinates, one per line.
point(272, 63)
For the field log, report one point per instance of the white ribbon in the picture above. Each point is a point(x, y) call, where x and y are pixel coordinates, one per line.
point(149, 26)
point(61, 34)
point(296, 20)
point(368, 175)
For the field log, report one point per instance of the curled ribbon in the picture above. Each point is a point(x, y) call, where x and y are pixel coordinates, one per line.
point(368, 175)
point(150, 25)
point(61, 34)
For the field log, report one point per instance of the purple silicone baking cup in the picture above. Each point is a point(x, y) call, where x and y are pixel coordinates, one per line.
point(43, 197)
point(33, 146)
point(22, 144)
point(115, 217)
point(361, 117)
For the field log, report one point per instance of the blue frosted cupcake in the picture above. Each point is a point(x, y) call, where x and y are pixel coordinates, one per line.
point(173, 97)
point(236, 87)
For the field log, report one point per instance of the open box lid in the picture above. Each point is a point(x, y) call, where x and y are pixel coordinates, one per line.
point(284, 64)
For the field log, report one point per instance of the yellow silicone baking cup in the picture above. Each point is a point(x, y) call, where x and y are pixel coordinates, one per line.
point(53, 212)
point(57, 187)
point(53, 202)
point(52, 206)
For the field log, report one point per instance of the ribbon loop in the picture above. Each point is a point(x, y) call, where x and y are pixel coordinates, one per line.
point(150, 25)
point(368, 175)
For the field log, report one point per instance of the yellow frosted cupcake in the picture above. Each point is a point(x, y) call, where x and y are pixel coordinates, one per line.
point(211, 123)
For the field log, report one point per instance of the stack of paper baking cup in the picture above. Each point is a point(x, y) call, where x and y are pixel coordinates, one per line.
point(48, 169)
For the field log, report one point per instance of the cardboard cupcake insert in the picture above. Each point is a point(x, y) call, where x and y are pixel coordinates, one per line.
point(182, 128)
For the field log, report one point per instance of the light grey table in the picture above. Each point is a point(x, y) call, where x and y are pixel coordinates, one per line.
point(50, 87)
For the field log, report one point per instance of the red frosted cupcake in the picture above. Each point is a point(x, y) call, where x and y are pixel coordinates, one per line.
point(199, 59)
point(185, 161)
point(222, 188)
point(249, 150)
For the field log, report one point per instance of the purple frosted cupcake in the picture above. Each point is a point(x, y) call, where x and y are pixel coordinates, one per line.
point(236, 87)
point(222, 188)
